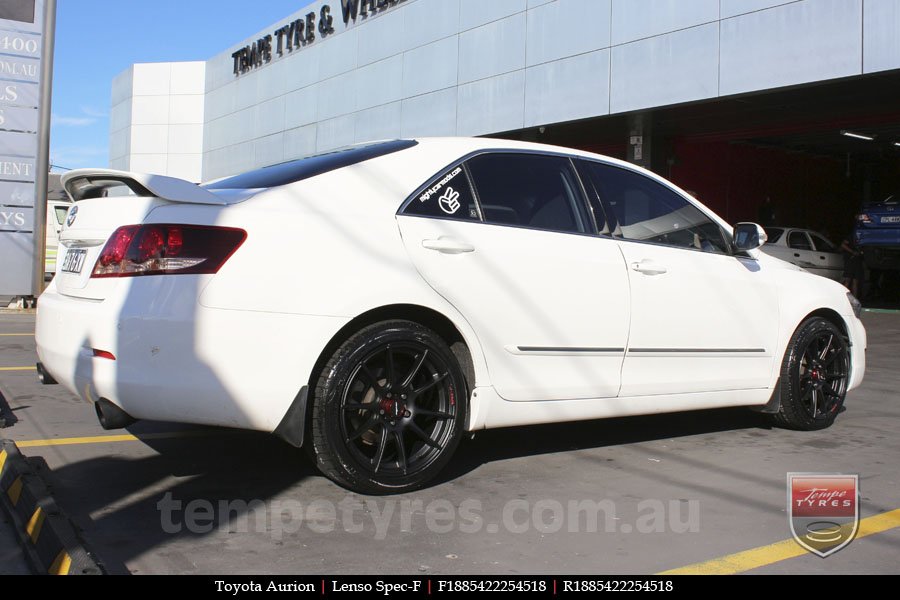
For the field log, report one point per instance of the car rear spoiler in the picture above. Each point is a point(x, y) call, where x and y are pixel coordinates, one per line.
point(83, 184)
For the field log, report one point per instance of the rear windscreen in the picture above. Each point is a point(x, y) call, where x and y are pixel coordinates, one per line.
point(304, 168)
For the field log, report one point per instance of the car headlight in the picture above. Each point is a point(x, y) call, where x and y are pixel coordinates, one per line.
point(855, 304)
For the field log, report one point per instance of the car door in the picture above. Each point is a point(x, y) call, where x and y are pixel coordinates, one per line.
point(547, 297)
point(829, 262)
point(801, 250)
point(702, 319)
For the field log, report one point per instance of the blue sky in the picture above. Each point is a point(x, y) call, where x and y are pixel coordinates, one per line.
point(98, 39)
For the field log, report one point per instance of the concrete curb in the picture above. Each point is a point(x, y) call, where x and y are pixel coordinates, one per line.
point(48, 539)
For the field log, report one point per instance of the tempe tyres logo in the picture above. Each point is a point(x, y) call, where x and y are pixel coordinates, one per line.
point(823, 510)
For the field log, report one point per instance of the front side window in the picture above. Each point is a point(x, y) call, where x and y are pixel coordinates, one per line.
point(529, 190)
point(447, 196)
point(647, 211)
point(798, 241)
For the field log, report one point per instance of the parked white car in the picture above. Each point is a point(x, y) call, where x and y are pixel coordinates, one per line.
point(805, 248)
point(56, 217)
point(434, 287)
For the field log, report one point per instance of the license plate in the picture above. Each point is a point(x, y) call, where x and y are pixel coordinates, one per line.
point(890, 219)
point(74, 260)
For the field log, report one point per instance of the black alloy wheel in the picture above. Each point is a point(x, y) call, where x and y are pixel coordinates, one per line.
point(389, 409)
point(814, 376)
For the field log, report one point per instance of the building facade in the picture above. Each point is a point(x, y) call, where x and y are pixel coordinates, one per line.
point(627, 77)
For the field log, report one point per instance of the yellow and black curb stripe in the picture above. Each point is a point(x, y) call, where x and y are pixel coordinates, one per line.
point(48, 539)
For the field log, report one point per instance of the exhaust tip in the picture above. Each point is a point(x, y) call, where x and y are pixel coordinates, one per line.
point(111, 416)
point(43, 376)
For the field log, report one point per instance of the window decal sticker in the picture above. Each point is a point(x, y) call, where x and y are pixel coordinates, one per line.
point(449, 201)
point(427, 194)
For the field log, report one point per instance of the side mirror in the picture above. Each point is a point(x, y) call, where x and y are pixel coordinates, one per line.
point(749, 236)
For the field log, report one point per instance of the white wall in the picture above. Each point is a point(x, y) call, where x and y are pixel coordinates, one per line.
point(157, 119)
point(474, 67)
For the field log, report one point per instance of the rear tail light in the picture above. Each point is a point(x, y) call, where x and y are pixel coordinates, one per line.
point(160, 249)
point(864, 218)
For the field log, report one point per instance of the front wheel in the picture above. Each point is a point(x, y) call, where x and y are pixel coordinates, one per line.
point(814, 376)
point(389, 409)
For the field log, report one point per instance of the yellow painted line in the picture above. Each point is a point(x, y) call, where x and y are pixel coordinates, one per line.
point(99, 439)
point(779, 551)
point(2, 460)
point(16, 335)
point(61, 564)
point(17, 368)
point(35, 523)
point(106, 439)
point(15, 490)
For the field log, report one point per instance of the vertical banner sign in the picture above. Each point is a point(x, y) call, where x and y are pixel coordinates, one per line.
point(21, 46)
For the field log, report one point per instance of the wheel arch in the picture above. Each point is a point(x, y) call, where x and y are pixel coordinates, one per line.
point(461, 341)
point(829, 315)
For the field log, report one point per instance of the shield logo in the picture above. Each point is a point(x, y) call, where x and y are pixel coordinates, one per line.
point(823, 510)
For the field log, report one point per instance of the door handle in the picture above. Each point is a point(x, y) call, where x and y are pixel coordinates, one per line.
point(648, 267)
point(448, 246)
point(796, 255)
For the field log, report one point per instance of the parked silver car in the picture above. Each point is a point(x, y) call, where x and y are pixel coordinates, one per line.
point(805, 248)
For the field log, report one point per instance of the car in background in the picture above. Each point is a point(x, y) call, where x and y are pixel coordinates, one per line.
point(877, 233)
point(57, 210)
point(805, 248)
point(437, 287)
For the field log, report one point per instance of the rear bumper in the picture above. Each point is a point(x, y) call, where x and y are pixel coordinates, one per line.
point(176, 360)
point(882, 257)
point(880, 246)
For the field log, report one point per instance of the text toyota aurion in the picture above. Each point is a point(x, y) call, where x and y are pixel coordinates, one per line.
point(375, 303)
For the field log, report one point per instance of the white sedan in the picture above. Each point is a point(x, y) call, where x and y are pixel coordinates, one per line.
point(434, 287)
point(805, 248)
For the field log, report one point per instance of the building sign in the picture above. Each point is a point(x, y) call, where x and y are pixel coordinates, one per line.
point(21, 24)
point(302, 32)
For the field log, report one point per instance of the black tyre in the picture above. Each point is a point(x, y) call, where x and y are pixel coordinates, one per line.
point(389, 409)
point(814, 376)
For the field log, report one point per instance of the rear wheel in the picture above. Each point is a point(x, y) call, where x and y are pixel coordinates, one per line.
point(814, 376)
point(389, 409)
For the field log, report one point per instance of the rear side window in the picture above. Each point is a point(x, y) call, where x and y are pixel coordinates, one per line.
point(61, 212)
point(774, 234)
point(447, 196)
point(798, 241)
point(821, 244)
point(648, 211)
point(529, 190)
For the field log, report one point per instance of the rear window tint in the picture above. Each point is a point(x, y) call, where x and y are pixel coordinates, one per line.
point(311, 166)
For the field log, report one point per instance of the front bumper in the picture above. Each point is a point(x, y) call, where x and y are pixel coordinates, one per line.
point(858, 341)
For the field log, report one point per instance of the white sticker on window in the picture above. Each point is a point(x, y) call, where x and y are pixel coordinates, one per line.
point(427, 194)
point(449, 202)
